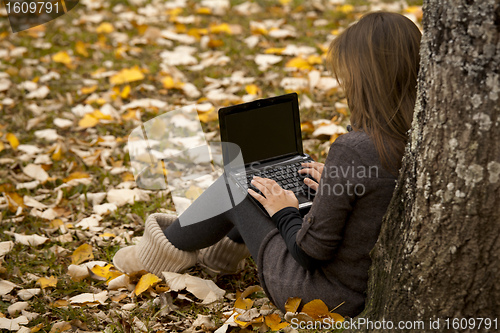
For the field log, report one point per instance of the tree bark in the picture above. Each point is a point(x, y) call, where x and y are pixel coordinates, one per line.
point(438, 254)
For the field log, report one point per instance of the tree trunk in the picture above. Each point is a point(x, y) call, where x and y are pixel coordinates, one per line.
point(438, 255)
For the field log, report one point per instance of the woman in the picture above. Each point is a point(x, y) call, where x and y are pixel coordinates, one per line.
point(325, 255)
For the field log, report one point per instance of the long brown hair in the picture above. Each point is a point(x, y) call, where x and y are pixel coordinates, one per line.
point(376, 62)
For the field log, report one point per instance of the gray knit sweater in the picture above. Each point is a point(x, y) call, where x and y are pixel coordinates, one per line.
point(340, 230)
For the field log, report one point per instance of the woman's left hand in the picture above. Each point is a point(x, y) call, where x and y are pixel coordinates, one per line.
point(275, 198)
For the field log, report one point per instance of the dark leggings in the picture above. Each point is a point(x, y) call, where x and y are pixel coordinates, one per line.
point(244, 222)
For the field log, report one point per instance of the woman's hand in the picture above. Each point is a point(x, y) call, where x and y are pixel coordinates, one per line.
point(314, 169)
point(275, 198)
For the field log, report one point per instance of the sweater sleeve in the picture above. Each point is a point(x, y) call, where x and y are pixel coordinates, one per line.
point(322, 231)
point(288, 221)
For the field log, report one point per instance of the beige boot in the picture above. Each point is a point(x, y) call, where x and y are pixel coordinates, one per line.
point(154, 253)
point(226, 256)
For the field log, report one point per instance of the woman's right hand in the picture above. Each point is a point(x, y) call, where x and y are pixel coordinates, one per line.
point(314, 169)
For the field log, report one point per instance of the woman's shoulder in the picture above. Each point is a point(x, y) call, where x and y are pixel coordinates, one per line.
point(355, 140)
point(356, 148)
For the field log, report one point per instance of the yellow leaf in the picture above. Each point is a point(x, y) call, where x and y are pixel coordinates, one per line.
point(81, 254)
point(76, 175)
point(336, 317)
point(60, 327)
point(299, 63)
point(292, 304)
point(250, 290)
point(99, 115)
point(47, 282)
point(221, 28)
point(274, 50)
point(105, 28)
point(128, 177)
point(146, 281)
point(127, 75)
point(204, 10)
point(346, 9)
point(215, 43)
point(125, 92)
point(62, 57)
point(14, 201)
point(2, 147)
point(252, 89)
point(316, 309)
point(130, 115)
point(106, 272)
point(243, 303)
point(307, 127)
point(273, 321)
point(107, 234)
point(206, 117)
point(81, 48)
point(60, 303)
point(14, 142)
point(193, 192)
point(88, 90)
point(285, 2)
point(57, 155)
point(56, 223)
point(241, 324)
point(88, 121)
point(36, 328)
point(169, 83)
point(314, 59)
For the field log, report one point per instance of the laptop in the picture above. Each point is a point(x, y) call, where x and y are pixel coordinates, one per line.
point(267, 132)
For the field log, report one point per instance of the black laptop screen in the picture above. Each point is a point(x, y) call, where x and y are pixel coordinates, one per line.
point(264, 132)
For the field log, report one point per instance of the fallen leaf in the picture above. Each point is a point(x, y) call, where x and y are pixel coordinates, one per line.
point(205, 290)
point(26, 294)
point(6, 287)
point(76, 175)
point(316, 309)
point(6, 247)
point(243, 303)
point(81, 48)
point(81, 254)
point(30, 240)
point(88, 121)
point(14, 201)
point(78, 272)
point(127, 75)
point(105, 28)
point(60, 327)
point(14, 142)
point(62, 57)
point(250, 290)
point(36, 171)
point(45, 282)
point(13, 324)
point(292, 304)
point(273, 321)
point(17, 307)
point(146, 281)
point(90, 299)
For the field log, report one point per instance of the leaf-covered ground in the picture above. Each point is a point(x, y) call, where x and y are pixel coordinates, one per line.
point(72, 90)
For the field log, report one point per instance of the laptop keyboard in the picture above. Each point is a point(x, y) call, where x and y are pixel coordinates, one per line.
point(286, 176)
